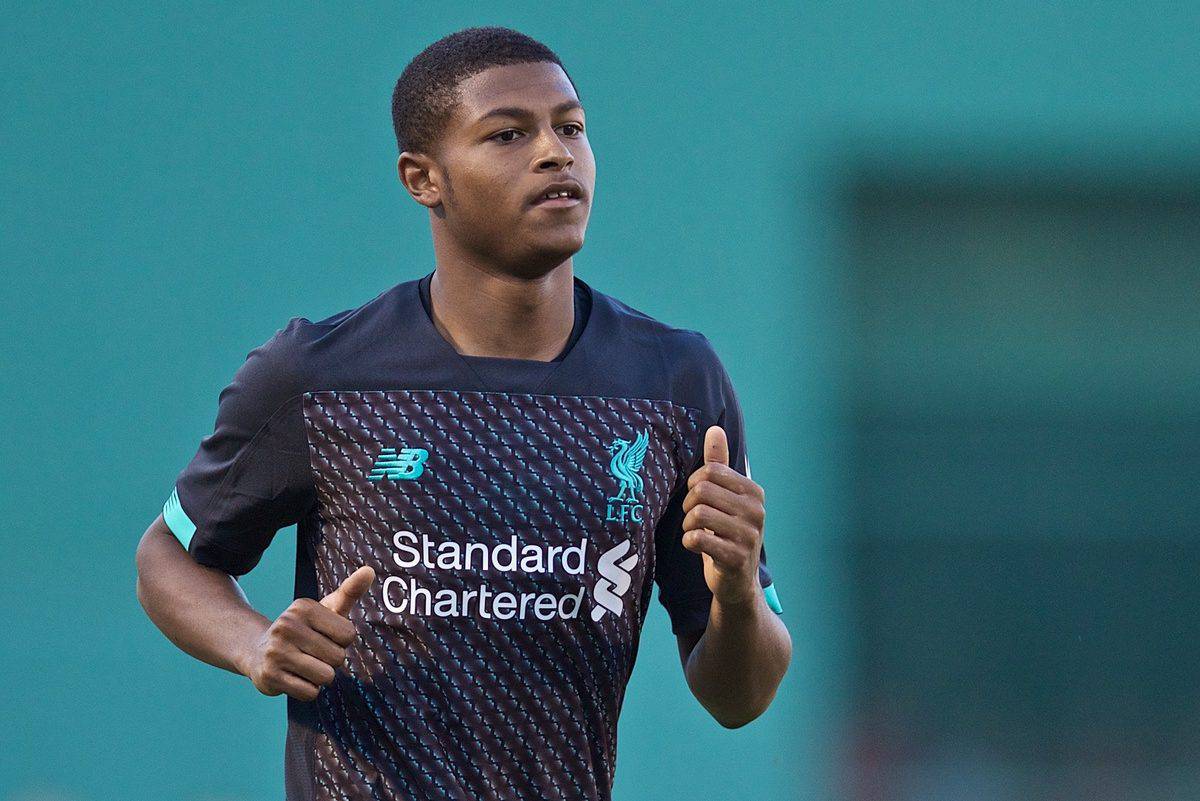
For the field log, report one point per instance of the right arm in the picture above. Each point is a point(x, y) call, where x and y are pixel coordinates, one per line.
point(201, 609)
point(204, 612)
point(248, 479)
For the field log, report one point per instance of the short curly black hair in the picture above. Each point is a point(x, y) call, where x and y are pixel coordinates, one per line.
point(427, 91)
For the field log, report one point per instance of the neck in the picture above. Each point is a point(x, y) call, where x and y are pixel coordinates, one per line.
point(482, 312)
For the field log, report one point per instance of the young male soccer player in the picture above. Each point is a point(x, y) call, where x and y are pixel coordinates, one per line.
point(489, 468)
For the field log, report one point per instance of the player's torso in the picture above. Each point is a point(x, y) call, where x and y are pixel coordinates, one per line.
point(512, 536)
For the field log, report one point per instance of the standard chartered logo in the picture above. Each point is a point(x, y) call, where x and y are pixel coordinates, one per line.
point(405, 594)
point(614, 580)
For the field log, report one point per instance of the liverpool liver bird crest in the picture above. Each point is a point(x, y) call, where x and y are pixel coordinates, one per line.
point(626, 464)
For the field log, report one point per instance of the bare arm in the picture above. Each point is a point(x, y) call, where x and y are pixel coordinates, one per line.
point(200, 609)
point(205, 613)
point(736, 664)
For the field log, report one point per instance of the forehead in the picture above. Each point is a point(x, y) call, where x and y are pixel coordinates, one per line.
point(538, 86)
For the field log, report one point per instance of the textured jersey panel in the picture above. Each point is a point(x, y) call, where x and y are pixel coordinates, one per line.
point(512, 536)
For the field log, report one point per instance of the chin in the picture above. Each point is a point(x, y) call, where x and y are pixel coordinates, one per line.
point(553, 251)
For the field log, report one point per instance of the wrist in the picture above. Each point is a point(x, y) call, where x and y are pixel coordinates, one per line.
point(244, 651)
point(745, 603)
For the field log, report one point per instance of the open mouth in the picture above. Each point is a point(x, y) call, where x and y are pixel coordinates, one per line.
point(561, 196)
point(558, 200)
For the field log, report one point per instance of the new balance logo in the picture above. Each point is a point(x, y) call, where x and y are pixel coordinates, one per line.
point(614, 580)
point(393, 465)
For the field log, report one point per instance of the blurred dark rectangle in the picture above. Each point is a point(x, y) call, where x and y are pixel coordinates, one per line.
point(1024, 366)
point(978, 299)
point(1027, 477)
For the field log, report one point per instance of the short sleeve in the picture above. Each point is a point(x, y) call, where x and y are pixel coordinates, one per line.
point(679, 572)
point(250, 477)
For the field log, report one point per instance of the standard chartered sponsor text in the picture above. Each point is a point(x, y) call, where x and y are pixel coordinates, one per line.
point(404, 594)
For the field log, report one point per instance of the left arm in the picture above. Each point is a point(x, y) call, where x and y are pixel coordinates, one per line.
point(734, 666)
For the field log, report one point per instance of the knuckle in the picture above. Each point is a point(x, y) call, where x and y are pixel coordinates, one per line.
point(755, 516)
point(301, 607)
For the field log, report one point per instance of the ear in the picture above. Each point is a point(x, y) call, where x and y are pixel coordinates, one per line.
point(420, 176)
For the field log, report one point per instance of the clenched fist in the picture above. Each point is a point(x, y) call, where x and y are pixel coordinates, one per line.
point(300, 651)
point(723, 522)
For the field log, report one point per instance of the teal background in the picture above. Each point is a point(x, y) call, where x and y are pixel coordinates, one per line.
point(178, 182)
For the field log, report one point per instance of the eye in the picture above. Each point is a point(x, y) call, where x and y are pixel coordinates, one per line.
point(576, 126)
point(502, 133)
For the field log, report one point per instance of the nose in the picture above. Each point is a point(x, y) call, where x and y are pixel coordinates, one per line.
point(555, 155)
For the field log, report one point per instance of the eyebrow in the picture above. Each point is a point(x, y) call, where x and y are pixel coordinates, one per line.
point(524, 113)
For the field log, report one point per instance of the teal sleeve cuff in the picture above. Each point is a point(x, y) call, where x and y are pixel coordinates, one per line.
point(177, 520)
point(773, 599)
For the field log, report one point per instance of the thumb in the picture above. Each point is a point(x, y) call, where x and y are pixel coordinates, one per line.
point(716, 446)
point(342, 599)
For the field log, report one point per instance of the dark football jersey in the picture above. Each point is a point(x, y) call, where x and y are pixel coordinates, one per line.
point(516, 513)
